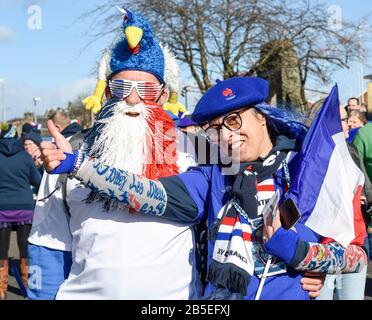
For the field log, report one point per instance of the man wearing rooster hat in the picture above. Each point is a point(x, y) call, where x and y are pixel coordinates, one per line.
point(114, 256)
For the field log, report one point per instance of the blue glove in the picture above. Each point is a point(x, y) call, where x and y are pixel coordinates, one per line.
point(283, 244)
point(67, 165)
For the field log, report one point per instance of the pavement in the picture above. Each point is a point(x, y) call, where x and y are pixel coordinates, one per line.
point(14, 293)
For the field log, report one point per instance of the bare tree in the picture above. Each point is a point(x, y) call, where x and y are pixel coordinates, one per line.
point(224, 38)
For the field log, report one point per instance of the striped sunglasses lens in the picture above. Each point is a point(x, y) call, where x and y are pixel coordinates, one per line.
point(146, 90)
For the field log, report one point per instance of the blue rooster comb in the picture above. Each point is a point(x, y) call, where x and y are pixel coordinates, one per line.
point(138, 49)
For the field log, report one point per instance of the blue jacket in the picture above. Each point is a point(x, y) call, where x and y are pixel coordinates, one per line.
point(17, 173)
point(204, 190)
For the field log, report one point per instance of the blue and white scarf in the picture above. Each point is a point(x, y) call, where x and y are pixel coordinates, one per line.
point(237, 254)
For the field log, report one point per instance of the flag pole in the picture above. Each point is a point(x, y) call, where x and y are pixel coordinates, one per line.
point(263, 279)
point(271, 207)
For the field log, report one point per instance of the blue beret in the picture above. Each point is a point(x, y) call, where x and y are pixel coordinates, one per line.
point(229, 95)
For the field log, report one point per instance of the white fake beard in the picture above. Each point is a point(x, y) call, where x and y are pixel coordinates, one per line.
point(122, 141)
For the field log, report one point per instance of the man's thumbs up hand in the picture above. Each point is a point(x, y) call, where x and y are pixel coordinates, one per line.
point(53, 154)
point(59, 139)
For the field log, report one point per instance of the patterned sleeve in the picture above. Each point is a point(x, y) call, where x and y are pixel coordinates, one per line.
point(168, 197)
point(331, 258)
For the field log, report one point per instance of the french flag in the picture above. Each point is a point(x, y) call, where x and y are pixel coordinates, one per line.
point(328, 185)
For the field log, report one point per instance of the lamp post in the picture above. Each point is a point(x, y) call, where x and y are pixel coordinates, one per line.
point(36, 100)
point(2, 84)
point(361, 62)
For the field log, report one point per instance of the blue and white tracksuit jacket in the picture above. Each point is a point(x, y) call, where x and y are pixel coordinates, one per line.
point(204, 190)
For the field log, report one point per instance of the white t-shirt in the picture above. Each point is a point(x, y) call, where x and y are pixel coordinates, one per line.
point(117, 255)
point(50, 224)
point(50, 227)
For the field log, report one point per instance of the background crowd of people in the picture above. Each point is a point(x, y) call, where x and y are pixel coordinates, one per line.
point(21, 170)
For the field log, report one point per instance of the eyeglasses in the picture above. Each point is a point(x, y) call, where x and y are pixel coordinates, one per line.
point(232, 122)
point(146, 90)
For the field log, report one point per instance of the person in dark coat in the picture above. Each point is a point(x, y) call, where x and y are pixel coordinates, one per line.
point(18, 172)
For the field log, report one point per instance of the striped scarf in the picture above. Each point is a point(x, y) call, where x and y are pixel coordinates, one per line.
point(233, 262)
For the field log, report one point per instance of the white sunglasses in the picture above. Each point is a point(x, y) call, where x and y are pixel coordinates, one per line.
point(146, 90)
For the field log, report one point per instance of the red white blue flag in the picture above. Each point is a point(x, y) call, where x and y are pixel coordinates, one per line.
point(328, 184)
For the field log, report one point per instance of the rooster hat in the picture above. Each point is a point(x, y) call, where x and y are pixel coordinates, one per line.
point(137, 49)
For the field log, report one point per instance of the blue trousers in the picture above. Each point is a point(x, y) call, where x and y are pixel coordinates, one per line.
point(48, 268)
point(347, 286)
